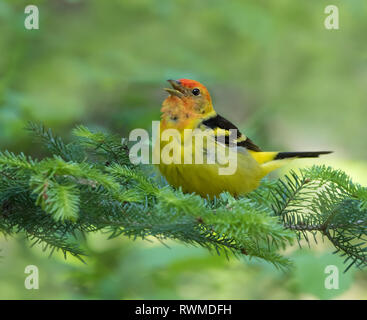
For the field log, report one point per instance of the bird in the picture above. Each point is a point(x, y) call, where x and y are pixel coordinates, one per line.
point(189, 108)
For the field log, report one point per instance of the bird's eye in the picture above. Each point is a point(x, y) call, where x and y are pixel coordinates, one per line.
point(195, 92)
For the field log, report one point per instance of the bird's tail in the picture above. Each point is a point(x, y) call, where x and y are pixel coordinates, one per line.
point(273, 160)
point(300, 154)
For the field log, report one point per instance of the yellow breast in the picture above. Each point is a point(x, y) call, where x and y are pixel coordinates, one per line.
point(208, 177)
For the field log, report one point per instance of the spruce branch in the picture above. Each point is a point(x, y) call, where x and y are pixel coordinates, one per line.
point(326, 201)
point(90, 185)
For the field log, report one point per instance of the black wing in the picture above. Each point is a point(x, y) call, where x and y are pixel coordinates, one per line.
point(218, 121)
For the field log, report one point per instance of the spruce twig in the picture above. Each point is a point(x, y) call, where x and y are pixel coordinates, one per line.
point(74, 191)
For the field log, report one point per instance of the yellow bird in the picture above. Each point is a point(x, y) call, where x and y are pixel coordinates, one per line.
point(189, 106)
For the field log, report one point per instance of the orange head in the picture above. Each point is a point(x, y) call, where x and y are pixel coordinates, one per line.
point(188, 99)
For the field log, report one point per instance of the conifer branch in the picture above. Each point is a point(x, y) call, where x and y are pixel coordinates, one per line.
point(89, 185)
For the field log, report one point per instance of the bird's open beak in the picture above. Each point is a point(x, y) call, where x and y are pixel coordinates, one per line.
point(176, 90)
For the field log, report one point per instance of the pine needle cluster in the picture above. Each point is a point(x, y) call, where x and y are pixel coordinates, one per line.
point(89, 185)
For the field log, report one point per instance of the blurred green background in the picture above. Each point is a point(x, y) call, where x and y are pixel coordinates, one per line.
point(271, 67)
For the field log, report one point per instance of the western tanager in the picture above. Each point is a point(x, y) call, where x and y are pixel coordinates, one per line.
point(189, 106)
